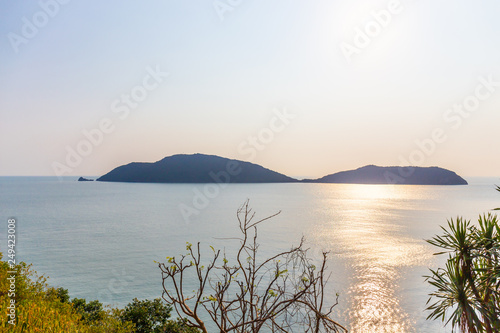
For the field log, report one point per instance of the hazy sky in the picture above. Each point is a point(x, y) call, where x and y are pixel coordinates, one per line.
point(305, 88)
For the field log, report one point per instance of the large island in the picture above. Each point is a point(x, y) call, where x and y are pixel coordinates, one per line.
point(196, 168)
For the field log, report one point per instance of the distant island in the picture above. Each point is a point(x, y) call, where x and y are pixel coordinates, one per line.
point(200, 168)
point(372, 174)
point(81, 179)
point(196, 168)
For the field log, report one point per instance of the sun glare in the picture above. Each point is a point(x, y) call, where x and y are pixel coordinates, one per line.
point(375, 191)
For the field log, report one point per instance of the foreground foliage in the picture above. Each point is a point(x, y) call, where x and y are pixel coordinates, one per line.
point(281, 293)
point(40, 308)
point(152, 317)
point(467, 290)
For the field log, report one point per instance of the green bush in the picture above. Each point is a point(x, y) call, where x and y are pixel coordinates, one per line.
point(148, 316)
point(40, 308)
point(91, 312)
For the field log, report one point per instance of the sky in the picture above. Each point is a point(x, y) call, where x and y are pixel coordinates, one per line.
point(305, 88)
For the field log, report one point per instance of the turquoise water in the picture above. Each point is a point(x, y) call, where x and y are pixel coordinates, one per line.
point(100, 240)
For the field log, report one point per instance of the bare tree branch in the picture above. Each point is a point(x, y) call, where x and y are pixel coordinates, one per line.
point(282, 293)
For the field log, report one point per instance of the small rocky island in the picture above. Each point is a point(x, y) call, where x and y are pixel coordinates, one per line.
point(200, 168)
point(81, 179)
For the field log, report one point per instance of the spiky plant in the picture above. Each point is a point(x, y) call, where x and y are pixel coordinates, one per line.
point(468, 286)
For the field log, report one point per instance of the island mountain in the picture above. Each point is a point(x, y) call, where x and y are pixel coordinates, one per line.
point(197, 168)
point(372, 174)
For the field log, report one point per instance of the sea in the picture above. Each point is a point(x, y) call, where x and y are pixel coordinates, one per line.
point(103, 240)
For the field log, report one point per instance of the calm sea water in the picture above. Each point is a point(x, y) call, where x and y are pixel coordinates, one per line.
point(100, 240)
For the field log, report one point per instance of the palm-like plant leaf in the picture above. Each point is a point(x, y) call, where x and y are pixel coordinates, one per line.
point(455, 240)
point(467, 289)
point(452, 294)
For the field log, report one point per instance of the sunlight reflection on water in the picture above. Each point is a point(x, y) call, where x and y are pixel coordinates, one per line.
point(371, 238)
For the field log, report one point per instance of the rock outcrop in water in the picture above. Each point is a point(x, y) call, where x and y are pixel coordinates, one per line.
point(81, 179)
point(372, 174)
point(197, 168)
